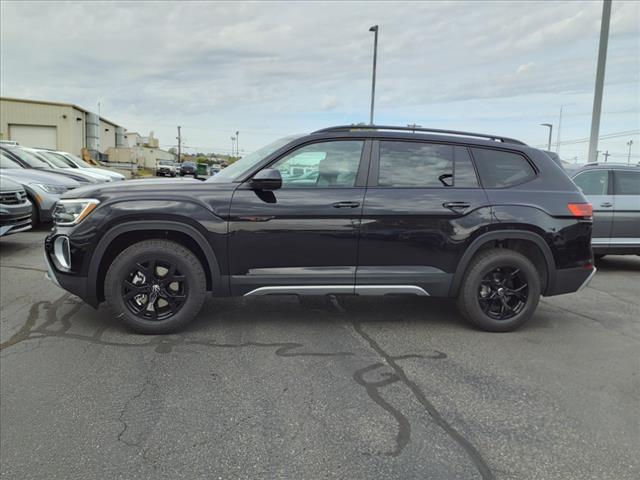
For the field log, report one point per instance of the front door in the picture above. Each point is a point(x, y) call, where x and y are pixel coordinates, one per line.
point(422, 205)
point(302, 237)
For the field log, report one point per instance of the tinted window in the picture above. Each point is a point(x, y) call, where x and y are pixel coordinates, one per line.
point(626, 183)
point(323, 164)
point(594, 182)
point(501, 169)
point(413, 164)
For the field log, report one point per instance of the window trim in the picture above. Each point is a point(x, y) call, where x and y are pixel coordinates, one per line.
point(374, 170)
point(609, 181)
point(536, 172)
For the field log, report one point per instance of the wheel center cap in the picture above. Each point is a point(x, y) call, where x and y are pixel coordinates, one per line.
point(501, 291)
point(155, 288)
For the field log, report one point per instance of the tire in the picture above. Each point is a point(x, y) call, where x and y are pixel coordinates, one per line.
point(489, 281)
point(598, 256)
point(147, 285)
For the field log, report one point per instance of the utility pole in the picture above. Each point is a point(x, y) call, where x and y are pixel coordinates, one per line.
point(237, 143)
point(414, 126)
point(179, 138)
point(597, 97)
point(606, 156)
point(558, 134)
point(550, 130)
point(232, 145)
point(630, 142)
point(373, 29)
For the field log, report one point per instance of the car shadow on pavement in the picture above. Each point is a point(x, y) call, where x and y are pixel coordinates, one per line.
point(620, 263)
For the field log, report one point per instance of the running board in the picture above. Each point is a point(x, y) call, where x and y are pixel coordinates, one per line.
point(374, 290)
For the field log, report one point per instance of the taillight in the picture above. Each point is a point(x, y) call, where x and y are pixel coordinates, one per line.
point(580, 209)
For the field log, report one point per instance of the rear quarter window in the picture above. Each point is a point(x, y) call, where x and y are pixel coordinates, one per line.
point(498, 169)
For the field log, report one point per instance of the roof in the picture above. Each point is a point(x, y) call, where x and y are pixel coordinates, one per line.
point(603, 166)
point(58, 104)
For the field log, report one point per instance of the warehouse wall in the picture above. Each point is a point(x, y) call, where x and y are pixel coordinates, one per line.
point(69, 130)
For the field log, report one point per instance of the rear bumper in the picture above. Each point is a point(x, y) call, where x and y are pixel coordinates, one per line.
point(569, 280)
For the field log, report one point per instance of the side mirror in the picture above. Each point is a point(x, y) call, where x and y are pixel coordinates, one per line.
point(267, 179)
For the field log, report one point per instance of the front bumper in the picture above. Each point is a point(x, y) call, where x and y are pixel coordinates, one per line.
point(70, 282)
point(15, 218)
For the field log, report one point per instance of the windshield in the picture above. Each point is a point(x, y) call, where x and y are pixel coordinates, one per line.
point(245, 164)
point(55, 159)
point(77, 161)
point(29, 158)
point(6, 162)
point(165, 162)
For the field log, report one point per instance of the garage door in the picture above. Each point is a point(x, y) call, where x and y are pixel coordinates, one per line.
point(35, 136)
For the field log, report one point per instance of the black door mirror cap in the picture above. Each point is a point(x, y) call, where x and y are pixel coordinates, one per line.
point(267, 179)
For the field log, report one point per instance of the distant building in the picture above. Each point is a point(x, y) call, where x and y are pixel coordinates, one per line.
point(59, 126)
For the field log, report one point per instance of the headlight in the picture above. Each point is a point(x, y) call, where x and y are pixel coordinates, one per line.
point(51, 188)
point(73, 211)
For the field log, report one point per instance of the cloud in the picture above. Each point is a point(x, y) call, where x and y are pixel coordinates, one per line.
point(282, 66)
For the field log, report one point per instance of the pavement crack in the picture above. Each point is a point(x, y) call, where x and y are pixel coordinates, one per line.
point(398, 372)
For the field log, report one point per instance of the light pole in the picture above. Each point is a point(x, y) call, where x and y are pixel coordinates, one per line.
point(237, 143)
point(373, 29)
point(630, 142)
point(550, 130)
point(233, 139)
point(597, 97)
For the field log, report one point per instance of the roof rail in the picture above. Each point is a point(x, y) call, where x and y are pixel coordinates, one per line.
point(347, 128)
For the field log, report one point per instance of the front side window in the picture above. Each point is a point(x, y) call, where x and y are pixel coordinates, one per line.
point(321, 165)
point(626, 183)
point(594, 182)
point(500, 169)
point(428, 165)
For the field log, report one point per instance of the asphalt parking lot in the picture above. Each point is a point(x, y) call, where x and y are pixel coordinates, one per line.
point(282, 387)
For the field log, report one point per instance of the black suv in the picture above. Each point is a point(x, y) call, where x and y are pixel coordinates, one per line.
point(345, 210)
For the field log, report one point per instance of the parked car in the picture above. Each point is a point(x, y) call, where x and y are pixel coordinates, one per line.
point(394, 210)
point(59, 164)
point(15, 207)
point(27, 159)
point(76, 162)
point(189, 168)
point(43, 188)
point(166, 168)
point(614, 191)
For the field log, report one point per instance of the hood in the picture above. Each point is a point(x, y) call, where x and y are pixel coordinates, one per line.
point(30, 175)
point(77, 176)
point(7, 185)
point(151, 185)
point(104, 172)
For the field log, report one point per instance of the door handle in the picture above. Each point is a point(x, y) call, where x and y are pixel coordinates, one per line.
point(346, 204)
point(606, 204)
point(456, 205)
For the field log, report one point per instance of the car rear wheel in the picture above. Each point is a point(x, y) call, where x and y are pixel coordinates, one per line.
point(500, 291)
point(155, 286)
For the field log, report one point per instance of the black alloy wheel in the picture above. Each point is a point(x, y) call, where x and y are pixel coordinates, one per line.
point(154, 290)
point(503, 293)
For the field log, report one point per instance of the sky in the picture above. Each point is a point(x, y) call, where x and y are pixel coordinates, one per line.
point(272, 69)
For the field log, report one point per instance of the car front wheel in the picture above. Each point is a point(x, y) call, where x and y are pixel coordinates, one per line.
point(500, 291)
point(155, 286)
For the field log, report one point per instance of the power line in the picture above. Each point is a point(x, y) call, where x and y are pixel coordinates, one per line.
point(603, 137)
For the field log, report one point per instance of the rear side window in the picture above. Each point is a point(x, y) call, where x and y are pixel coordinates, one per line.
point(428, 165)
point(501, 169)
point(594, 182)
point(626, 183)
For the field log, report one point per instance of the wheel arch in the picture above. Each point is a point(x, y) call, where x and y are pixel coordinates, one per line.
point(529, 243)
point(128, 233)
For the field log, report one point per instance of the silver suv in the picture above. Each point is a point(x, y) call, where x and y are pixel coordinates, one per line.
point(614, 191)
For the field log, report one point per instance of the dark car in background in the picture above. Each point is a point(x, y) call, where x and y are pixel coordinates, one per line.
point(614, 191)
point(484, 219)
point(15, 207)
point(188, 168)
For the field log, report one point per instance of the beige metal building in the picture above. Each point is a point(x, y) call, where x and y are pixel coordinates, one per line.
point(60, 126)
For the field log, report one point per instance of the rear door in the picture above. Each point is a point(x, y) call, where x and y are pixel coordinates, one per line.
point(625, 230)
point(423, 202)
point(596, 185)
